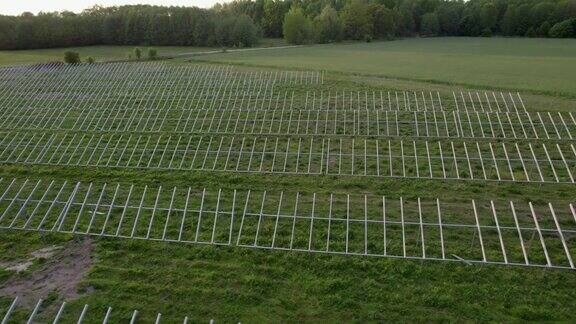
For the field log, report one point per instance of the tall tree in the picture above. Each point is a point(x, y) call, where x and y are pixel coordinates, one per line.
point(274, 12)
point(542, 12)
point(328, 25)
point(357, 20)
point(406, 25)
point(245, 33)
point(223, 30)
point(430, 25)
point(510, 20)
point(384, 22)
point(449, 16)
point(297, 28)
point(7, 33)
point(488, 16)
point(565, 9)
point(470, 24)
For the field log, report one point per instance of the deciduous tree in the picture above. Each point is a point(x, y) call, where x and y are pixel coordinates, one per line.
point(297, 28)
point(384, 23)
point(328, 25)
point(430, 25)
point(357, 20)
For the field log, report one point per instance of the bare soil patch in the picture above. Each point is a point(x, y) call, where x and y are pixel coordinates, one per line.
point(62, 272)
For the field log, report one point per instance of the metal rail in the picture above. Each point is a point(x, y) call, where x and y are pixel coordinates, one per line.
point(474, 232)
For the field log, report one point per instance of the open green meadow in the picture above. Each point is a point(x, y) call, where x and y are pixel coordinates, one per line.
point(102, 53)
point(136, 125)
point(99, 53)
point(545, 66)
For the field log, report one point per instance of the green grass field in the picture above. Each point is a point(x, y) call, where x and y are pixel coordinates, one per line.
point(537, 65)
point(102, 53)
point(230, 284)
point(99, 53)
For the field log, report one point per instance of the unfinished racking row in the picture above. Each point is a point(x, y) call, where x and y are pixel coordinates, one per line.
point(462, 160)
point(506, 233)
point(241, 94)
point(130, 76)
point(287, 121)
point(62, 314)
point(206, 86)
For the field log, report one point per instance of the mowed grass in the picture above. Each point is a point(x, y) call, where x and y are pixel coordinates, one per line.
point(99, 53)
point(243, 285)
point(238, 284)
point(546, 66)
point(103, 53)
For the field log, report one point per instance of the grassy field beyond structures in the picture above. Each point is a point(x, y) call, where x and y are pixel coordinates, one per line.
point(102, 53)
point(539, 65)
point(99, 53)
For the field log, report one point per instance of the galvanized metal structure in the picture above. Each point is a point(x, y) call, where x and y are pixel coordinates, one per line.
point(483, 232)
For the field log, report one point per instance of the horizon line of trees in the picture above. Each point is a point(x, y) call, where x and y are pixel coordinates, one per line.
point(241, 23)
point(386, 19)
point(138, 25)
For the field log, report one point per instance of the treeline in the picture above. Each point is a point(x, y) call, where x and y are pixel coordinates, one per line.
point(129, 25)
point(333, 20)
point(243, 22)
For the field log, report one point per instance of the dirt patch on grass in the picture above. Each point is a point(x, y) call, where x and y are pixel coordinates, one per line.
point(62, 272)
point(18, 266)
point(46, 253)
point(23, 265)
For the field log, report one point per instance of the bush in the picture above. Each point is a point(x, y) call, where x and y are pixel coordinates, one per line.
point(487, 32)
point(152, 53)
point(544, 29)
point(71, 57)
point(90, 60)
point(531, 32)
point(137, 52)
point(564, 29)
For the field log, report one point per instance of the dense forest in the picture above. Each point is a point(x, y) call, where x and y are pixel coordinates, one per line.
point(242, 22)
